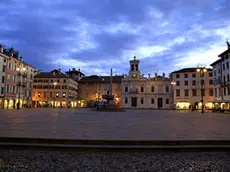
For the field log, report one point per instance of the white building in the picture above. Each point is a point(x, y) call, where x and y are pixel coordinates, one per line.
point(221, 77)
point(3, 66)
point(141, 92)
point(187, 88)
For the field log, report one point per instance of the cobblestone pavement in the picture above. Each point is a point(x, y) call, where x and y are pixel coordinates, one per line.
point(132, 124)
point(45, 161)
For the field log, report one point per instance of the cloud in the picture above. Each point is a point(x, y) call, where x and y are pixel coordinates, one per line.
point(96, 36)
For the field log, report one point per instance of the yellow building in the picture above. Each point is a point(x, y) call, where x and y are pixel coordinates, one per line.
point(54, 89)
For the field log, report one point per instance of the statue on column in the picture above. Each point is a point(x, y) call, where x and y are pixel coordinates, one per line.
point(228, 44)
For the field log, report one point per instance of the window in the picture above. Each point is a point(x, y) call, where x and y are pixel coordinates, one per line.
point(142, 100)
point(152, 101)
point(214, 73)
point(63, 94)
point(39, 94)
point(14, 89)
point(152, 88)
point(194, 82)
point(177, 75)
point(7, 88)
point(4, 60)
point(2, 90)
point(126, 100)
point(228, 90)
point(64, 81)
point(186, 83)
point(210, 82)
point(202, 82)
point(210, 92)
point(224, 91)
point(63, 86)
point(223, 66)
point(167, 101)
point(178, 83)
point(57, 94)
point(210, 74)
point(9, 65)
point(51, 94)
point(126, 89)
point(215, 92)
point(228, 77)
point(178, 93)
point(51, 80)
point(194, 75)
point(142, 89)
point(186, 92)
point(3, 79)
point(58, 81)
point(44, 94)
point(4, 68)
point(227, 65)
point(194, 92)
point(185, 75)
point(167, 89)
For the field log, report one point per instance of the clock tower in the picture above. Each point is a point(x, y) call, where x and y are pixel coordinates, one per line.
point(134, 72)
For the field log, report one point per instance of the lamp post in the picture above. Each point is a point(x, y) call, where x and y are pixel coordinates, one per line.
point(172, 84)
point(21, 73)
point(55, 83)
point(201, 70)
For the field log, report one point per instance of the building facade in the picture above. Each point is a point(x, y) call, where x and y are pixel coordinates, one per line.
point(75, 74)
point(54, 89)
point(3, 65)
point(141, 92)
point(91, 88)
point(221, 77)
point(187, 88)
point(18, 80)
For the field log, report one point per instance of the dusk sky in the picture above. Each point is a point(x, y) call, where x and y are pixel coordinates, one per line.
point(96, 35)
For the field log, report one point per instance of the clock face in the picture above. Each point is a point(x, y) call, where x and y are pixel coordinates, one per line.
point(134, 75)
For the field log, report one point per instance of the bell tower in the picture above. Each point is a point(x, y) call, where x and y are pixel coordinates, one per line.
point(134, 71)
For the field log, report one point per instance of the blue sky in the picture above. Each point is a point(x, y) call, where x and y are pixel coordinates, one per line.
point(98, 35)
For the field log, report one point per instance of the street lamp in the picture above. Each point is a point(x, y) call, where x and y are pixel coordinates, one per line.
point(172, 84)
point(201, 70)
point(55, 83)
point(21, 72)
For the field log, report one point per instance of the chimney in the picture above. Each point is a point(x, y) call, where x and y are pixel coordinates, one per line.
point(163, 75)
point(59, 70)
point(149, 75)
point(155, 75)
point(73, 69)
point(1, 48)
point(79, 70)
point(21, 58)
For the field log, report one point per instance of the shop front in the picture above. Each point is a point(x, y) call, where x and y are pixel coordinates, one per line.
point(182, 105)
point(9, 103)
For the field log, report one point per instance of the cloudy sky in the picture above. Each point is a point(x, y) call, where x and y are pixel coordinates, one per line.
point(96, 35)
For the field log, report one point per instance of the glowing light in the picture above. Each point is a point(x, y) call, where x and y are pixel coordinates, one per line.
point(198, 70)
point(173, 83)
point(24, 69)
point(55, 83)
point(18, 69)
point(204, 70)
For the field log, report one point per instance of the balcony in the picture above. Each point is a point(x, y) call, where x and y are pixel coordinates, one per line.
point(134, 91)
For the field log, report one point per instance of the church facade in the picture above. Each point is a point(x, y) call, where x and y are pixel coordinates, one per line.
point(145, 92)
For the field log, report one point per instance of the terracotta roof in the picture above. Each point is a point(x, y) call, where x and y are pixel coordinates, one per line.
point(100, 79)
point(53, 74)
point(216, 62)
point(185, 70)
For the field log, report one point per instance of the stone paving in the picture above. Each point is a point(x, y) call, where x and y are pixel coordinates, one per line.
point(129, 125)
point(54, 161)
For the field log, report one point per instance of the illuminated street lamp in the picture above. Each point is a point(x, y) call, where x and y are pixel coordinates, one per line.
point(172, 84)
point(21, 73)
point(201, 70)
point(55, 83)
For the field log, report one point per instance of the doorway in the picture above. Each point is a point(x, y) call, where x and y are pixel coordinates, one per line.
point(134, 102)
point(159, 102)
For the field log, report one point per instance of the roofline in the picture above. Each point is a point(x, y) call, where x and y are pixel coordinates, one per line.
point(179, 71)
point(215, 62)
